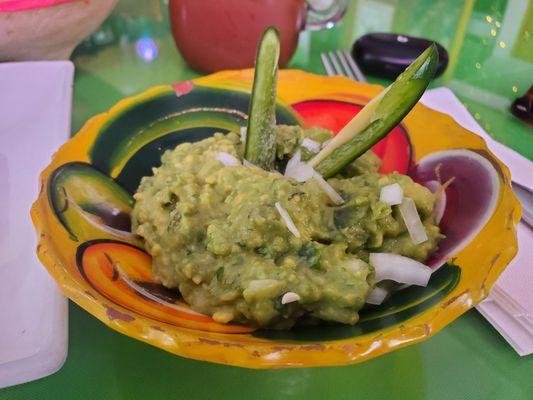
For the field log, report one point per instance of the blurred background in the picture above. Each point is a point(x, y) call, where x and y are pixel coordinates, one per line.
point(489, 44)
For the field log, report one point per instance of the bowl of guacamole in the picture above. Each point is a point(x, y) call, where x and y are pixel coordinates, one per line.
point(251, 246)
point(281, 225)
point(153, 219)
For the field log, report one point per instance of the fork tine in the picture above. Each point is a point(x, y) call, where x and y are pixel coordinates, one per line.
point(355, 68)
point(344, 63)
point(335, 63)
point(326, 64)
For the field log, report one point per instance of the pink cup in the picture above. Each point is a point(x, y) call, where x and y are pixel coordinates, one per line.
point(214, 35)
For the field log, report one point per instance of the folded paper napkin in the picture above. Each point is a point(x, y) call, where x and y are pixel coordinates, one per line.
point(509, 306)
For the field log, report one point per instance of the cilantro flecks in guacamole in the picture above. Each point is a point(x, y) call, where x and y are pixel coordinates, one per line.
point(216, 235)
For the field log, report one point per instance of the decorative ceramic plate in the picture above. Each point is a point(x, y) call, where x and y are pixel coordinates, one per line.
point(82, 218)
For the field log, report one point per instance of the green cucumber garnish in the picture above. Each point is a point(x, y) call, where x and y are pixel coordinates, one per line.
point(260, 147)
point(379, 116)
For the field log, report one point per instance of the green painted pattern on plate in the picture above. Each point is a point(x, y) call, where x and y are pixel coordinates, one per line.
point(148, 120)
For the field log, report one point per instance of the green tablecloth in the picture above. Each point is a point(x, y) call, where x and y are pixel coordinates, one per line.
point(465, 361)
point(491, 62)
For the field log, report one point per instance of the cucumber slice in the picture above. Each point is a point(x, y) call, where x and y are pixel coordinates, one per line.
point(379, 116)
point(260, 147)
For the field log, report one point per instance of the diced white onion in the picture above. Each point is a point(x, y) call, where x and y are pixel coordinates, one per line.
point(227, 159)
point(298, 170)
point(243, 132)
point(294, 161)
point(377, 295)
point(333, 195)
point(311, 145)
point(391, 194)
point(290, 297)
point(412, 221)
point(287, 219)
point(302, 172)
point(399, 269)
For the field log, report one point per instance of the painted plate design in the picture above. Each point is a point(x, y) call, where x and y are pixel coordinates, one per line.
point(82, 219)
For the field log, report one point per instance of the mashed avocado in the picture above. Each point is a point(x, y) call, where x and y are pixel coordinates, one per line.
point(216, 236)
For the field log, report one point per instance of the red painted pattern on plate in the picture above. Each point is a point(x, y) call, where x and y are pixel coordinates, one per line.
point(394, 149)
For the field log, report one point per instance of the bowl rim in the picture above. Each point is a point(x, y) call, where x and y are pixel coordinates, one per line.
point(223, 348)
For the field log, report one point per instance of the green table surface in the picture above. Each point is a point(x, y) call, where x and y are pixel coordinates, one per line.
point(491, 63)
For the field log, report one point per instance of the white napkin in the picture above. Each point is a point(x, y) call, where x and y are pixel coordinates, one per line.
point(509, 306)
point(35, 107)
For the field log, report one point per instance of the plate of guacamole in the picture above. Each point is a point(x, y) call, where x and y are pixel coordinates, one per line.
point(271, 250)
point(266, 218)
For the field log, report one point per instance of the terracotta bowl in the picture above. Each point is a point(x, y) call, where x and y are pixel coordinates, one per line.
point(82, 219)
point(32, 30)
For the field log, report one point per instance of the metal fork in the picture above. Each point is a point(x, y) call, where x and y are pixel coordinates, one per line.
point(340, 62)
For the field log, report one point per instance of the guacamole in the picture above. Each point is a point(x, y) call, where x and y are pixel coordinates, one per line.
point(216, 234)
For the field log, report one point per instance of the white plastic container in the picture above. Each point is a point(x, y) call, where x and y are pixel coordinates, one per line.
point(35, 110)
